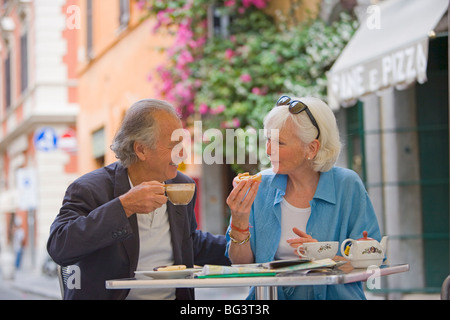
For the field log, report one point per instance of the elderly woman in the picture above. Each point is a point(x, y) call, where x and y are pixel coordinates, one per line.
point(302, 198)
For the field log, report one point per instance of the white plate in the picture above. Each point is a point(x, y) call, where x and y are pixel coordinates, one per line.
point(174, 274)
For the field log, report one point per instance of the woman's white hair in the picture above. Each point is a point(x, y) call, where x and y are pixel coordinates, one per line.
point(139, 124)
point(330, 144)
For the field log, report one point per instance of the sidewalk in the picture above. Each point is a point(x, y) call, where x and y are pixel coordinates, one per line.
point(36, 283)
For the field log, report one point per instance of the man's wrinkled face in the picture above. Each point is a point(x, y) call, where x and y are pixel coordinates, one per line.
point(160, 162)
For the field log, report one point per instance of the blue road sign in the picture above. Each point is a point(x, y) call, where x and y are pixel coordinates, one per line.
point(46, 139)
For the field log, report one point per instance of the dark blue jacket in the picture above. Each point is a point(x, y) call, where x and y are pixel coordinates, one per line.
point(93, 232)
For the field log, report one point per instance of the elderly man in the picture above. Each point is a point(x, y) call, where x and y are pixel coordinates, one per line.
point(116, 219)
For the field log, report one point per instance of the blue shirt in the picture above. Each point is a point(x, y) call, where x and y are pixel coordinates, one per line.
point(340, 209)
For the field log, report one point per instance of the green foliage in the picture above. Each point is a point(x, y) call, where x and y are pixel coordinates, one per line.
point(234, 81)
point(250, 70)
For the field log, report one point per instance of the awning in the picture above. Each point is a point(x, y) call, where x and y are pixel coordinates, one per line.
point(390, 48)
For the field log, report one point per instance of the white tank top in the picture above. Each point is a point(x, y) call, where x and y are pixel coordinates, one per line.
point(290, 217)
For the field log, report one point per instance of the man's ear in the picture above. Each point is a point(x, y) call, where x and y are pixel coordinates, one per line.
point(140, 149)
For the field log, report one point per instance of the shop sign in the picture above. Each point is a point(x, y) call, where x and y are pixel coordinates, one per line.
point(400, 67)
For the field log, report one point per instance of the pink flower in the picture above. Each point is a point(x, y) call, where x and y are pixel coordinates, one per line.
point(229, 3)
point(246, 3)
point(218, 109)
point(246, 78)
point(184, 58)
point(140, 4)
point(184, 74)
point(167, 85)
point(182, 91)
point(260, 4)
point(190, 108)
point(162, 16)
point(179, 110)
point(203, 108)
point(184, 35)
point(256, 91)
point(197, 43)
point(229, 54)
point(260, 91)
point(233, 123)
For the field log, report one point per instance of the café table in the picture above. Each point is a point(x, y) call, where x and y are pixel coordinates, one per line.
point(265, 285)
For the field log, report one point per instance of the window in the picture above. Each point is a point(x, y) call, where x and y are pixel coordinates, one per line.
point(124, 16)
point(355, 139)
point(7, 68)
point(221, 24)
point(89, 30)
point(24, 62)
point(218, 23)
point(432, 120)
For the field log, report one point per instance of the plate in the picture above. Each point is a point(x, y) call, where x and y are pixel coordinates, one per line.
point(174, 274)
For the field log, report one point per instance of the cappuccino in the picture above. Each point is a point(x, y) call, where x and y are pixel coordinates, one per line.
point(180, 193)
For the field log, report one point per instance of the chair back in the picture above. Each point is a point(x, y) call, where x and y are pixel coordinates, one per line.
point(445, 290)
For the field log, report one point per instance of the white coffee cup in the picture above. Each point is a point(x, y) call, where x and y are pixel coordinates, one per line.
point(318, 250)
point(180, 193)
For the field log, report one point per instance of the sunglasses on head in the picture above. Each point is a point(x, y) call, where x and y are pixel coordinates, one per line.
point(296, 107)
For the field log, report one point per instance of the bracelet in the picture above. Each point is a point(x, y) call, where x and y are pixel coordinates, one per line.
point(239, 242)
point(239, 230)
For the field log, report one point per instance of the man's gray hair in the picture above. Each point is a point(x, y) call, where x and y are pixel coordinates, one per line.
point(139, 124)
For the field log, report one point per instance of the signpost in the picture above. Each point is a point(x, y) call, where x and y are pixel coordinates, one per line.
point(27, 194)
point(68, 141)
point(46, 139)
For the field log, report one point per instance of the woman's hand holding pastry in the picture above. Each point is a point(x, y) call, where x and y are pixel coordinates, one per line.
point(240, 202)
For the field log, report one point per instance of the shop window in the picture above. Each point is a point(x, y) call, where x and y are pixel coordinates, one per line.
point(355, 140)
point(432, 120)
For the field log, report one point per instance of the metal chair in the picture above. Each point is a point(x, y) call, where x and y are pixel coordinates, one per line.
point(445, 290)
point(62, 278)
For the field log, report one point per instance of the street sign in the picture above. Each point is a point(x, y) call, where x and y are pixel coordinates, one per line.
point(27, 188)
point(46, 139)
point(68, 141)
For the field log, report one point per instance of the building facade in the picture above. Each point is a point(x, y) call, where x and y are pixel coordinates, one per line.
point(396, 133)
point(38, 112)
point(117, 53)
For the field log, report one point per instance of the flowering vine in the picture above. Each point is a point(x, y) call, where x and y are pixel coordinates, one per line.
point(233, 80)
